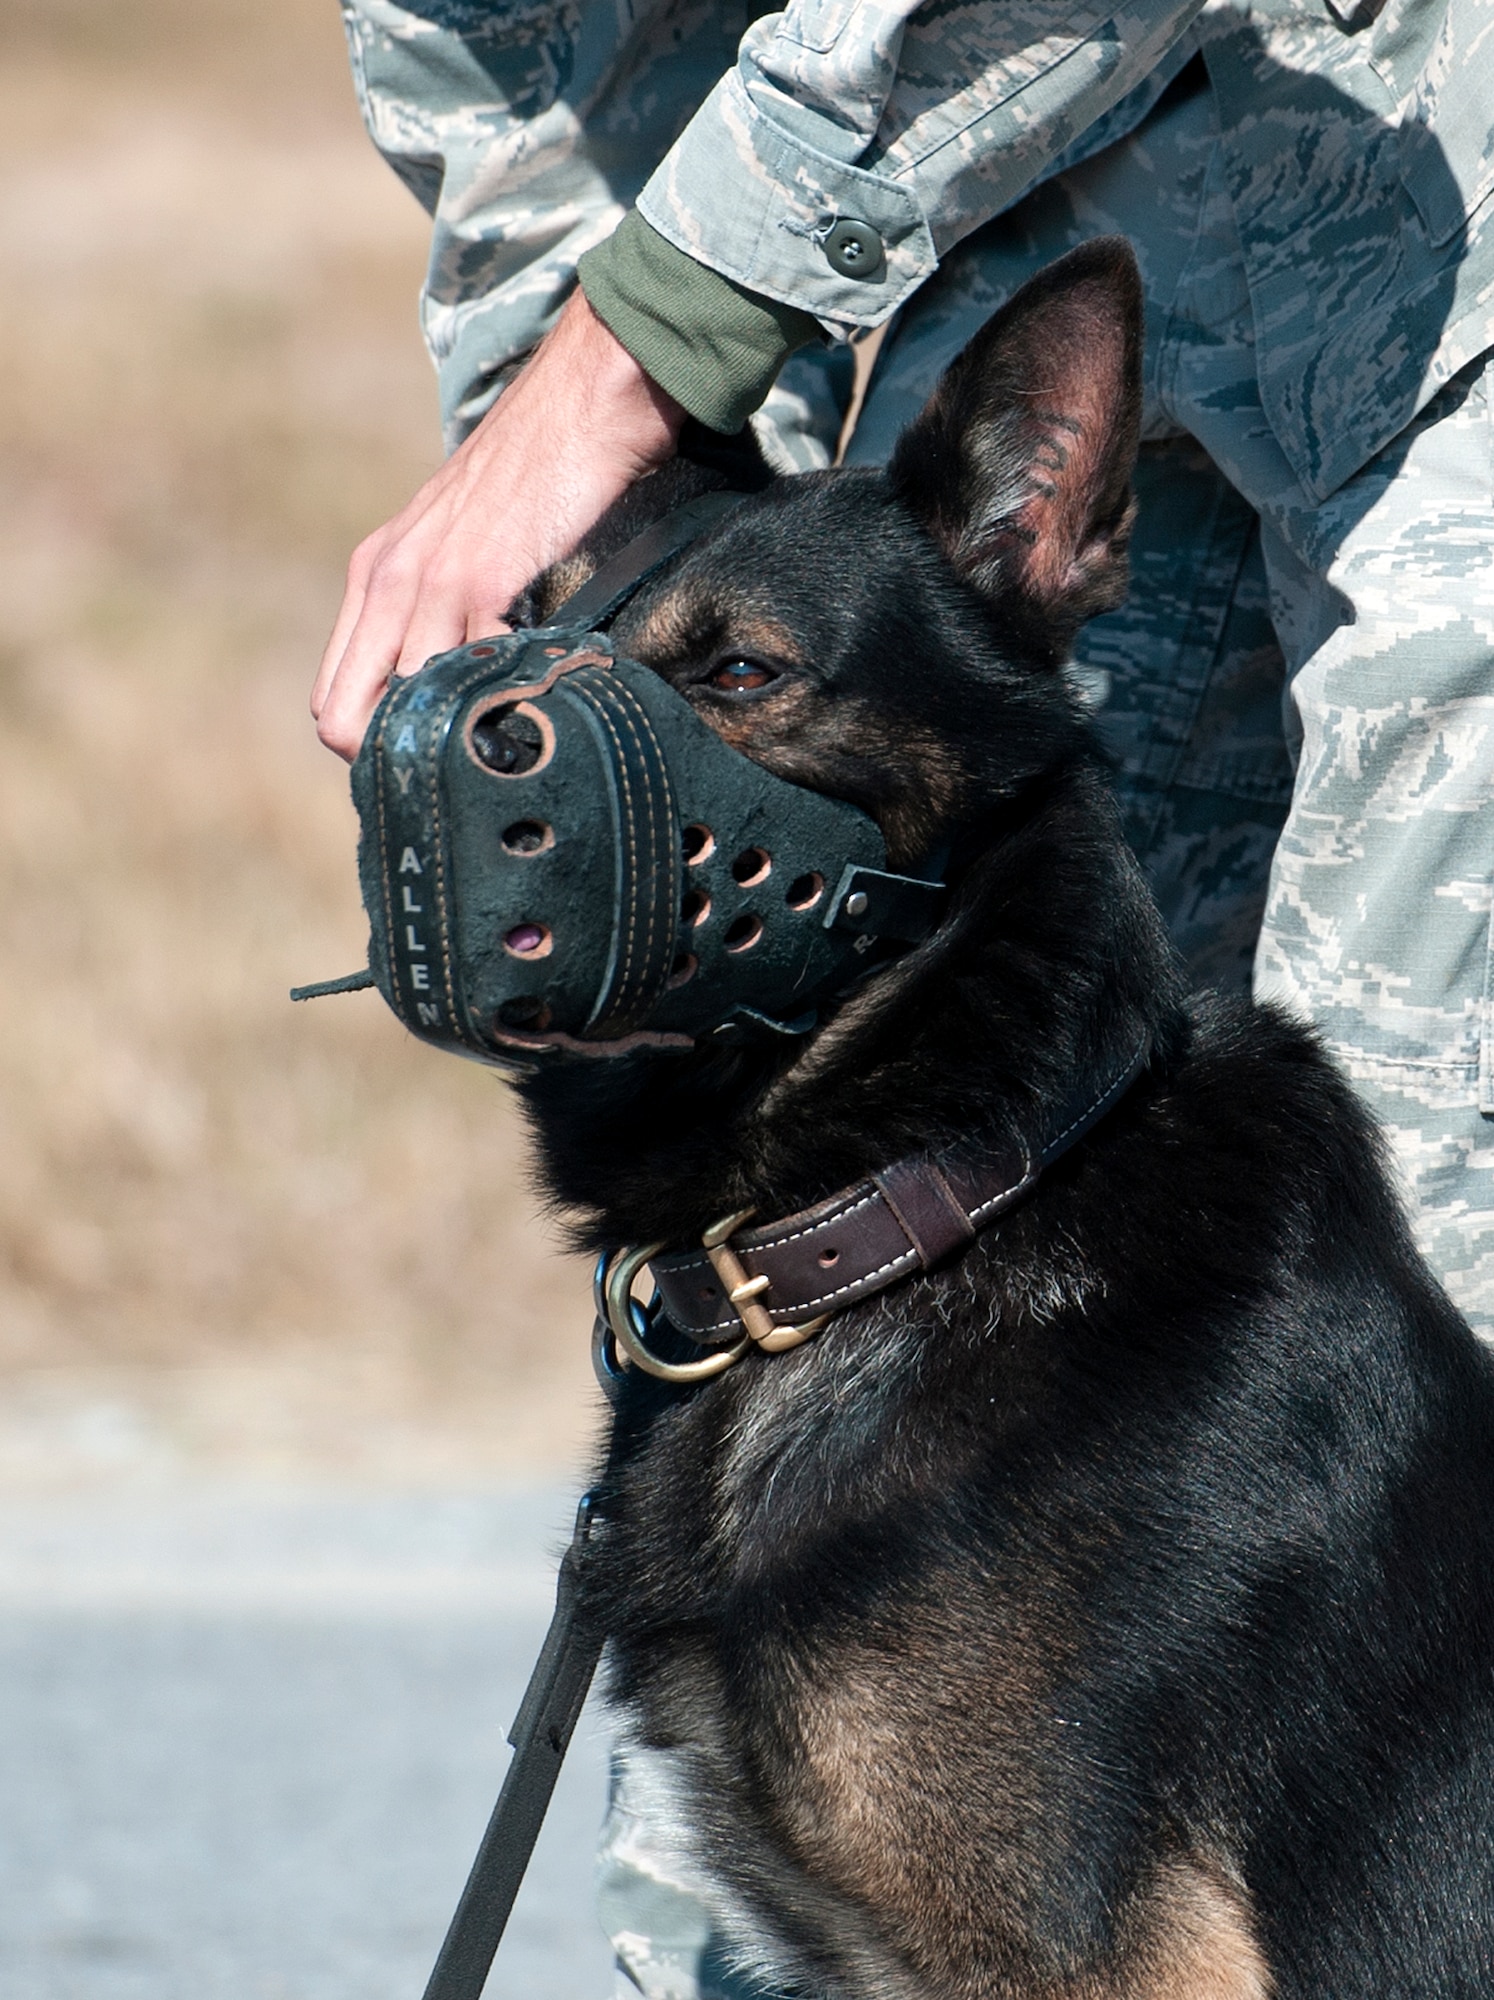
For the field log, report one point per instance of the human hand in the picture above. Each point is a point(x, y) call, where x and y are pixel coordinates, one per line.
point(569, 435)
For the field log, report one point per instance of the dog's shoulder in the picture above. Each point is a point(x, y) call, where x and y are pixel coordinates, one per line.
point(1250, 1130)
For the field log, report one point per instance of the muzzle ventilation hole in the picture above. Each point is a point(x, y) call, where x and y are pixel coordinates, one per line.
point(528, 941)
point(744, 933)
point(805, 891)
point(508, 742)
point(527, 836)
point(683, 970)
point(752, 865)
point(526, 1015)
point(695, 906)
point(699, 844)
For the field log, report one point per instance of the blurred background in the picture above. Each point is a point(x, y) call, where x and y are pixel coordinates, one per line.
point(230, 1230)
point(294, 1393)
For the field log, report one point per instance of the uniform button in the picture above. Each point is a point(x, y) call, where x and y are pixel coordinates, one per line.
point(854, 249)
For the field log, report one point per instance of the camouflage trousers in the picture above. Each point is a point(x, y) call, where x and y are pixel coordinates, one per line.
point(1299, 694)
point(1300, 700)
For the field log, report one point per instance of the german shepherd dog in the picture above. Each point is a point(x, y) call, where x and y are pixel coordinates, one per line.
point(1107, 1614)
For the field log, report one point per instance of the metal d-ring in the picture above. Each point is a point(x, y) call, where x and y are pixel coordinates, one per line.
point(629, 1323)
point(607, 1364)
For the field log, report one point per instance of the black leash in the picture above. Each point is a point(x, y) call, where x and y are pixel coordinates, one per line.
point(541, 1735)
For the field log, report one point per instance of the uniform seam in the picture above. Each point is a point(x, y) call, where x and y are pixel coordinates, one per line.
point(1468, 1066)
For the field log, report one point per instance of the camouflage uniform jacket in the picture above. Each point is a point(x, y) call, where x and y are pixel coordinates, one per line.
point(1357, 139)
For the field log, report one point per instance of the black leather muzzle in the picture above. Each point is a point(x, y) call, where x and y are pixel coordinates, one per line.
point(558, 853)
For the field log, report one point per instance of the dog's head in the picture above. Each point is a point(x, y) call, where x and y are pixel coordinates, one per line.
point(893, 638)
point(896, 639)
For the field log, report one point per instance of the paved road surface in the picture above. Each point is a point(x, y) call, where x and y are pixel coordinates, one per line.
point(248, 1741)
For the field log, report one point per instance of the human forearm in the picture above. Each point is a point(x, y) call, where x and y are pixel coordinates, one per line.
point(870, 117)
point(527, 135)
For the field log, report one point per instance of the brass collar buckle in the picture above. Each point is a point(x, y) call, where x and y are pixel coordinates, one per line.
point(629, 1322)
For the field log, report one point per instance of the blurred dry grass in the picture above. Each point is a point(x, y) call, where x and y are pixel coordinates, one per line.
point(238, 1230)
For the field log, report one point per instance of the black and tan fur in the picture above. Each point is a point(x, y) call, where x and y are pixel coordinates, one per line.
point(1110, 1614)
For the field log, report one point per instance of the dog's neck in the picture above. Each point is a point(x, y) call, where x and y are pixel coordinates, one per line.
point(1050, 969)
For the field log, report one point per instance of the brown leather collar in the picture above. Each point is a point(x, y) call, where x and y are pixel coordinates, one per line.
point(906, 1218)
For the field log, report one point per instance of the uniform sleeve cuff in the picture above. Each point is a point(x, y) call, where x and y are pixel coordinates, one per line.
point(763, 206)
point(706, 340)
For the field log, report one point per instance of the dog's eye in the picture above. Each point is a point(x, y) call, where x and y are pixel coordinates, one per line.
point(740, 676)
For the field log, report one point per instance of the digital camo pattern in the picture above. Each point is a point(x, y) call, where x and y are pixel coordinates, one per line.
point(653, 1902)
point(799, 424)
point(920, 120)
point(527, 128)
point(1187, 677)
point(1374, 610)
point(1353, 139)
point(1356, 143)
point(1377, 925)
point(1343, 160)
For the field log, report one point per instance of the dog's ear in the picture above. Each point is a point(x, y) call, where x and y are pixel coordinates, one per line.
point(1020, 463)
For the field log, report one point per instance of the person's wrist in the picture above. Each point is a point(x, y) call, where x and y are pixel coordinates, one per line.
point(630, 411)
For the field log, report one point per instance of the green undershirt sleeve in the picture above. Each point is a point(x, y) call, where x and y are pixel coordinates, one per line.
point(709, 343)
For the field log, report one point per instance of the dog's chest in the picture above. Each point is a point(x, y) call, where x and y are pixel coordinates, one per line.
point(732, 1493)
point(799, 1563)
point(865, 1693)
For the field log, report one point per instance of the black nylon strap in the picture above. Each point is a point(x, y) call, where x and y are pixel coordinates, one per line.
point(614, 583)
point(541, 1735)
point(1083, 1112)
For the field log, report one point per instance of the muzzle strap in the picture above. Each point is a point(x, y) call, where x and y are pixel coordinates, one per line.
point(560, 855)
point(606, 591)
